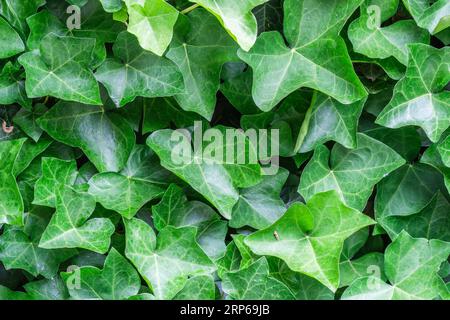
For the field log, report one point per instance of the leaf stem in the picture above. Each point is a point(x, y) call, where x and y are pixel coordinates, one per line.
point(189, 9)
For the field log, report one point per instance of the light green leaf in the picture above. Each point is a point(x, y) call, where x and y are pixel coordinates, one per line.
point(152, 22)
point(165, 262)
point(379, 42)
point(433, 16)
point(309, 238)
point(61, 68)
point(255, 283)
point(411, 267)
point(237, 18)
point(420, 98)
point(56, 174)
point(118, 280)
point(198, 288)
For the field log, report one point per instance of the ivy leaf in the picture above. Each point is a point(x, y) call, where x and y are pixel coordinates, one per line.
point(140, 181)
point(11, 203)
point(431, 16)
point(379, 42)
point(111, 5)
point(353, 269)
point(166, 261)
point(26, 120)
point(70, 227)
point(17, 11)
point(420, 98)
point(309, 238)
point(117, 281)
point(327, 119)
point(407, 190)
point(135, 72)
point(152, 22)
point(430, 223)
point(211, 180)
point(12, 86)
point(91, 128)
point(61, 69)
point(10, 42)
point(33, 259)
point(260, 206)
point(352, 173)
point(56, 174)
point(199, 49)
point(307, 61)
point(237, 18)
point(175, 210)
point(254, 283)
point(198, 288)
point(444, 150)
point(47, 289)
point(411, 267)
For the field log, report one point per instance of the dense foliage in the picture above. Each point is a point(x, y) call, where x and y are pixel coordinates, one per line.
point(94, 206)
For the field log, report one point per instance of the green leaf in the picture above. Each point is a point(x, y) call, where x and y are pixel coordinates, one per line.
point(11, 203)
point(379, 42)
point(351, 173)
point(10, 42)
point(255, 283)
point(56, 174)
point(17, 11)
point(61, 68)
point(111, 5)
point(92, 129)
point(433, 16)
point(420, 98)
point(139, 182)
point(260, 206)
point(237, 18)
point(411, 267)
point(327, 119)
point(12, 86)
point(430, 223)
point(211, 180)
point(48, 289)
point(118, 280)
point(152, 22)
point(309, 238)
point(26, 120)
point(166, 261)
point(279, 70)
point(70, 227)
point(199, 49)
point(18, 251)
point(351, 270)
point(198, 288)
point(135, 72)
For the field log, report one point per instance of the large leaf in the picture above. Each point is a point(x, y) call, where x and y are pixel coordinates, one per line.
point(10, 42)
point(140, 181)
point(118, 280)
point(411, 267)
point(379, 42)
point(420, 98)
point(152, 22)
point(135, 72)
point(309, 238)
point(199, 49)
point(92, 129)
point(237, 18)
point(433, 16)
point(279, 70)
point(352, 173)
point(166, 261)
point(70, 227)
